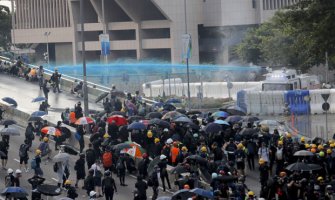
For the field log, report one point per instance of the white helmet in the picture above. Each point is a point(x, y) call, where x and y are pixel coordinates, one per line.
point(92, 193)
point(162, 157)
point(10, 170)
point(169, 141)
point(166, 130)
point(18, 171)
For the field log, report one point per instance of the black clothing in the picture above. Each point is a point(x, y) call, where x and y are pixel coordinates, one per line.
point(141, 187)
point(80, 168)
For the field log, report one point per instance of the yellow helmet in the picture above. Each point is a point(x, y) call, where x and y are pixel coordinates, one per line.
point(332, 145)
point(184, 148)
point(329, 151)
point(251, 193)
point(157, 140)
point(261, 161)
point(45, 139)
point(320, 147)
point(302, 139)
point(280, 142)
point(240, 146)
point(322, 154)
point(67, 182)
point(106, 135)
point(38, 152)
point(149, 134)
point(307, 146)
point(320, 178)
point(313, 145)
point(203, 149)
point(288, 135)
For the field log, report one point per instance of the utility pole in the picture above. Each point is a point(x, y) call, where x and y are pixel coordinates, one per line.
point(86, 111)
point(13, 26)
point(187, 64)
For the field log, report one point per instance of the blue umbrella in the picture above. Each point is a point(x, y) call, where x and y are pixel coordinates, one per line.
point(221, 122)
point(39, 99)
point(220, 114)
point(136, 126)
point(38, 114)
point(204, 193)
point(9, 101)
point(173, 100)
point(15, 192)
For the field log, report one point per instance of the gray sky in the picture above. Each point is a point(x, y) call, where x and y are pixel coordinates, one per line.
point(6, 3)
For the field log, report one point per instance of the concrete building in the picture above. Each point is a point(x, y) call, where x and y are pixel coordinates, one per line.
point(139, 29)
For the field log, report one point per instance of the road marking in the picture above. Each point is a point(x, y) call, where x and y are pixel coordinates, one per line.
point(16, 160)
point(54, 179)
point(167, 190)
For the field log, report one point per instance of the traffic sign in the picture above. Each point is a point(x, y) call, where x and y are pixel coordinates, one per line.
point(325, 96)
point(325, 106)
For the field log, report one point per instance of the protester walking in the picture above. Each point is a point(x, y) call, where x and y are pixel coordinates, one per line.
point(79, 167)
point(108, 186)
point(23, 154)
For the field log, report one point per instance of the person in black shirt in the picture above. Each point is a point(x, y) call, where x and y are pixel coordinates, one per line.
point(141, 187)
point(71, 191)
point(89, 182)
point(163, 171)
point(108, 186)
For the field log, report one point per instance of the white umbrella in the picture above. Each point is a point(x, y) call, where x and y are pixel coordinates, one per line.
point(61, 157)
point(11, 131)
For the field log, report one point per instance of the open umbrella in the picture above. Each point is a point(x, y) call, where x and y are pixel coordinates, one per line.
point(38, 99)
point(121, 146)
point(233, 110)
point(182, 111)
point(173, 100)
point(204, 193)
point(49, 190)
point(192, 126)
point(303, 153)
point(84, 120)
point(65, 132)
point(212, 128)
point(226, 178)
point(182, 119)
point(135, 118)
point(152, 165)
point(233, 119)
point(51, 131)
point(159, 122)
point(221, 122)
point(118, 113)
point(164, 198)
point(101, 96)
point(14, 192)
point(172, 115)
point(182, 194)
point(118, 119)
point(11, 131)
point(118, 93)
point(250, 119)
point(135, 150)
point(35, 119)
point(248, 132)
point(301, 166)
point(269, 123)
point(153, 115)
point(197, 158)
point(7, 122)
point(61, 157)
point(38, 114)
point(70, 149)
point(169, 107)
point(136, 126)
point(220, 114)
point(10, 101)
point(179, 169)
point(193, 112)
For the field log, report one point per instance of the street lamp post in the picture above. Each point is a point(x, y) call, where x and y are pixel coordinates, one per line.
point(13, 26)
point(46, 34)
point(187, 64)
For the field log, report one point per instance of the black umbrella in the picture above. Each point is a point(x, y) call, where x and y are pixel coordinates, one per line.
point(303, 153)
point(197, 159)
point(226, 178)
point(169, 107)
point(135, 118)
point(101, 96)
point(193, 112)
point(159, 122)
point(250, 119)
point(301, 166)
point(118, 93)
point(152, 165)
point(10, 101)
point(35, 119)
point(182, 119)
point(65, 132)
point(49, 190)
point(118, 113)
point(153, 115)
point(94, 136)
point(233, 119)
point(182, 194)
point(14, 192)
point(179, 169)
point(8, 122)
point(248, 132)
point(121, 146)
point(212, 128)
point(70, 149)
point(233, 110)
point(182, 111)
point(192, 126)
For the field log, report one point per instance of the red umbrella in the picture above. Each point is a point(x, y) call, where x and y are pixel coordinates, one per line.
point(51, 131)
point(84, 120)
point(118, 119)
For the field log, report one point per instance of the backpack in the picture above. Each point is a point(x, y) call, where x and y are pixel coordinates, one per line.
point(119, 164)
point(107, 159)
point(108, 183)
point(150, 181)
point(23, 151)
point(43, 147)
point(33, 163)
point(55, 167)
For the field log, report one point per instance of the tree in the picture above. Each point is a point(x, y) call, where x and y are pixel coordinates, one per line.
point(5, 27)
point(298, 36)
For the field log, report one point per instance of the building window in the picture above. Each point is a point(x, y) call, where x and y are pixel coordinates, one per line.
point(253, 3)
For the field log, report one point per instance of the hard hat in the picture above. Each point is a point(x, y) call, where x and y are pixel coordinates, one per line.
point(282, 174)
point(45, 139)
point(329, 151)
point(149, 134)
point(107, 173)
point(10, 170)
point(320, 178)
point(203, 149)
point(18, 171)
point(92, 193)
point(322, 154)
point(251, 193)
point(332, 145)
point(195, 135)
point(280, 142)
point(157, 140)
point(184, 148)
point(186, 187)
point(38, 151)
point(166, 130)
point(106, 135)
point(307, 146)
point(302, 139)
point(67, 182)
point(313, 150)
point(288, 135)
point(261, 161)
point(240, 146)
point(169, 141)
point(313, 145)
point(162, 157)
point(320, 147)
point(214, 175)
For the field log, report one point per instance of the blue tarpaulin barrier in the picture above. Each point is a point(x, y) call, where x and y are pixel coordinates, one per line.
point(296, 100)
point(241, 100)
